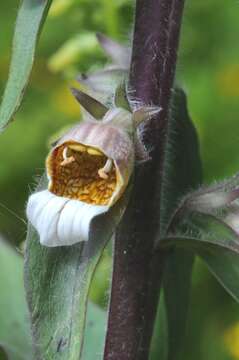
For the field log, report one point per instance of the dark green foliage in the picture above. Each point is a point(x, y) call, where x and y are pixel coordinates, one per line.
point(182, 172)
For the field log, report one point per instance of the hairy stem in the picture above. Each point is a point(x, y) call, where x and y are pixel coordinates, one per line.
point(137, 270)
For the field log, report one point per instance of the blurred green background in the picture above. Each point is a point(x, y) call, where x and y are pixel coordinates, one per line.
point(208, 69)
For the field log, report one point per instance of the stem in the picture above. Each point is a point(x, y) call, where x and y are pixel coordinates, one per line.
point(137, 271)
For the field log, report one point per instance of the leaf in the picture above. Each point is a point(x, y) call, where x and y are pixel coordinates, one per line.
point(224, 265)
point(217, 244)
point(57, 282)
point(203, 230)
point(159, 343)
point(14, 325)
point(182, 173)
point(3, 355)
point(94, 333)
point(177, 287)
point(222, 261)
point(31, 16)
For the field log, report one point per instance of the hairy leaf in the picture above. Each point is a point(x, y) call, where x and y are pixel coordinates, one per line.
point(177, 287)
point(57, 282)
point(14, 329)
point(217, 244)
point(224, 265)
point(222, 261)
point(159, 343)
point(182, 173)
point(201, 230)
point(31, 16)
point(94, 334)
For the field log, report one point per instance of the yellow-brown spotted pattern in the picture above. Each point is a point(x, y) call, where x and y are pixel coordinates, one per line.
point(79, 179)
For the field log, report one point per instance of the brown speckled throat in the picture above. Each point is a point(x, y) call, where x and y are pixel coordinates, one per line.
point(77, 172)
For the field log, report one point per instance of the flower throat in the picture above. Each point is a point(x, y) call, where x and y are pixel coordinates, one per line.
point(81, 173)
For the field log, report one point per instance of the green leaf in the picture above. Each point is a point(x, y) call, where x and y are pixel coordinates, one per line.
point(57, 282)
point(222, 261)
point(94, 332)
point(3, 355)
point(201, 231)
point(224, 265)
point(31, 16)
point(14, 326)
point(159, 343)
point(177, 287)
point(182, 173)
point(217, 244)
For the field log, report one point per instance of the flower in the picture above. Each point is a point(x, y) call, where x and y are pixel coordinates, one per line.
point(93, 161)
point(88, 170)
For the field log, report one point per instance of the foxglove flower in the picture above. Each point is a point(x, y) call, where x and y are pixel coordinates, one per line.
point(88, 171)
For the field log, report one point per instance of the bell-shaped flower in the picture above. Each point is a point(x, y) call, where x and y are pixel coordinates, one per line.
point(88, 170)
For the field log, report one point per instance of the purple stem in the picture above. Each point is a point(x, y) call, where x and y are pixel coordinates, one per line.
point(137, 270)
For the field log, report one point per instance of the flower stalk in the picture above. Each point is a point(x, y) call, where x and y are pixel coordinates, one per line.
point(137, 271)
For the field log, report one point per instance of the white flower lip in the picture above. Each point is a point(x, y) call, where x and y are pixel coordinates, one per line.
point(61, 221)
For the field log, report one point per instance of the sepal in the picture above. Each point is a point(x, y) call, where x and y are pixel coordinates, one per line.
point(95, 108)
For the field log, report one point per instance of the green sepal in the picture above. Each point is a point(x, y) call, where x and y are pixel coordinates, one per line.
point(121, 98)
point(91, 105)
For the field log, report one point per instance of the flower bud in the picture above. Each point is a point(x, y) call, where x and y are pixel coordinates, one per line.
point(119, 54)
point(216, 204)
point(213, 200)
point(232, 220)
point(101, 83)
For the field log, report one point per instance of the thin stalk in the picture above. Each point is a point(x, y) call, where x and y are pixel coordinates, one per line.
point(137, 271)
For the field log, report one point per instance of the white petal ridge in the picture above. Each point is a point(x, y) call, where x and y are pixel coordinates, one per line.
point(60, 221)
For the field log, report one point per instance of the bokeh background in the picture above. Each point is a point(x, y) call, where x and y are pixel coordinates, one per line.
point(208, 69)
